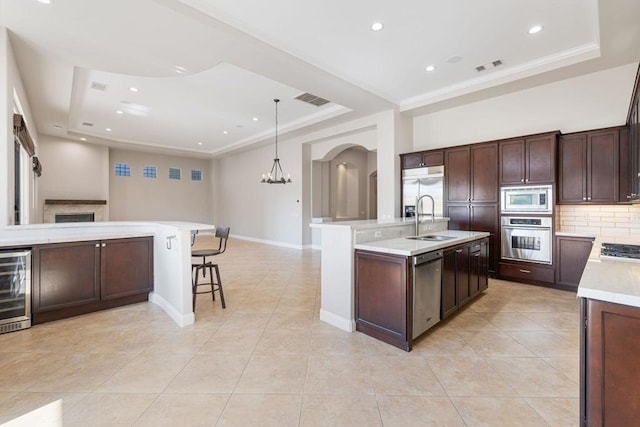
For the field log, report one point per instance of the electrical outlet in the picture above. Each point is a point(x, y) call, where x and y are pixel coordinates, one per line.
point(377, 234)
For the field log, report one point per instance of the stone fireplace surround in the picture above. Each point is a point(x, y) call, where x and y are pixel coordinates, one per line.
point(65, 206)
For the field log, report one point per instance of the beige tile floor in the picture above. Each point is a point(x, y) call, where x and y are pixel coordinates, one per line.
point(508, 359)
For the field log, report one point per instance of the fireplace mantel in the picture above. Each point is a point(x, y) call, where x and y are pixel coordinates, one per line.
point(74, 202)
point(69, 207)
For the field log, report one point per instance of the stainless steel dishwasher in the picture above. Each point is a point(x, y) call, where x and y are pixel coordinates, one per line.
point(427, 285)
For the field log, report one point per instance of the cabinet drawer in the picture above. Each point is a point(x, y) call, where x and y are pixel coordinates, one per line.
point(527, 272)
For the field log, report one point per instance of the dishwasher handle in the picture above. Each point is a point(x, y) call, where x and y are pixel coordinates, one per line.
point(426, 257)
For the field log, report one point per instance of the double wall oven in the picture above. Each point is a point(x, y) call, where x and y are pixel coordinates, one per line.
point(526, 223)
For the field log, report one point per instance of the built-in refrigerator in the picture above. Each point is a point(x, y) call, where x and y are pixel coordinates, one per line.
point(418, 182)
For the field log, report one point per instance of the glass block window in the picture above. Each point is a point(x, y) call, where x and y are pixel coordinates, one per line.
point(175, 173)
point(196, 175)
point(150, 171)
point(122, 169)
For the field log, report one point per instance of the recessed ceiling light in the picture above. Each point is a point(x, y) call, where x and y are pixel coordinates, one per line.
point(134, 89)
point(180, 70)
point(255, 119)
point(226, 132)
point(377, 26)
point(108, 129)
point(45, 1)
point(57, 126)
point(199, 143)
point(453, 59)
point(535, 29)
point(119, 112)
point(430, 68)
point(83, 139)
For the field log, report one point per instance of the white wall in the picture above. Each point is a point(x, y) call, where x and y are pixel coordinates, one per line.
point(265, 212)
point(11, 81)
point(136, 198)
point(72, 170)
point(587, 102)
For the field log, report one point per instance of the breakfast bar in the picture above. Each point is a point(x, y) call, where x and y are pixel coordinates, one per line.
point(167, 244)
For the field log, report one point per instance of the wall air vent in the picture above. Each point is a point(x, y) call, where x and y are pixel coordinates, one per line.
point(87, 124)
point(312, 99)
point(497, 63)
point(480, 68)
point(98, 86)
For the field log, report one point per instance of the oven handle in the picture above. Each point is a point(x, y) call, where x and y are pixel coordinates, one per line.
point(511, 227)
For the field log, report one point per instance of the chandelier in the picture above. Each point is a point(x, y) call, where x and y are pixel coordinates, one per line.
point(276, 176)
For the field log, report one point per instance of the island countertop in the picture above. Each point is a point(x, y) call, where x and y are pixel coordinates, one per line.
point(409, 247)
point(611, 281)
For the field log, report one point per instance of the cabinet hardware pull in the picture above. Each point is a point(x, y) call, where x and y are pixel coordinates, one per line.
point(526, 180)
point(588, 198)
point(584, 198)
point(476, 255)
point(458, 250)
point(524, 271)
point(104, 245)
point(97, 245)
point(521, 179)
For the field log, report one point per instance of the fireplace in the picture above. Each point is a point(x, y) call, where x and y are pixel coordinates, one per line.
point(65, 210)
point(79, 217)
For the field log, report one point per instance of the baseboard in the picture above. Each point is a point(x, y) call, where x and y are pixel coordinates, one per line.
point(339, 322)
point(268, 242)
point(180, 319)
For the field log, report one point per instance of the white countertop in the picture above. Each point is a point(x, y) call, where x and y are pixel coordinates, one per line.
point(374, 223)
point(611, 281)
point(32, 234)
point(409, 247)
point(575, 234)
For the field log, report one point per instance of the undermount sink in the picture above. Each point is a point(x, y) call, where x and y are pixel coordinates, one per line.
point(431, 237)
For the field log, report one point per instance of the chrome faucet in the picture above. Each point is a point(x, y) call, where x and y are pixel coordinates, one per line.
point(418, 214)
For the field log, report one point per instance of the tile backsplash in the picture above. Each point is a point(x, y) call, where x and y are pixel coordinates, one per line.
point(613, 223)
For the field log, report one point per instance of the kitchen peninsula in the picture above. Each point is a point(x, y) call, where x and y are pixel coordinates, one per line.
point(170, 246)
point(341, 239)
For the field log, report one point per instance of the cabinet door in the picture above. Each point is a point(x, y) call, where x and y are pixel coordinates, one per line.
point(572, 254)
point(463, 281)
point(433, 158)
point(612, 372)
point(485, 257)
point(381, 297)
point(512, 162)
point(486, 218)
point(541, 160)
point(602, 167)
point(413, 160)
point(572, 174)
point(65, 275)
point(449, 304)
point(127, 267)
point(458, 215)
point(484, 173)
point(457, 178)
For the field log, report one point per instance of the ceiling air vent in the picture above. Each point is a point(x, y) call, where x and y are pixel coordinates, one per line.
point(489, 65)
point(98, 86)
point(312, 99)
point(87, 124)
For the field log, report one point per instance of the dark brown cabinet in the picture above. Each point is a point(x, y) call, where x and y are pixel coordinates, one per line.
point(81, 277)
point(572, 254)
point(610, 373)
point(382, 297)
point(529, 160)
point(464, 275)
point(471, 175)
point(589, 170)
point(422, 159)
point(527, 272)
point(478, 217)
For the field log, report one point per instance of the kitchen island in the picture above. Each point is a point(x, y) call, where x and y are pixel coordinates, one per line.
point(405, 286)
point(171, 249)
point(341, 239)
point(609, 342)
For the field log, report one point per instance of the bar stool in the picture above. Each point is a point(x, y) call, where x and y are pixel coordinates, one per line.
point(222, 233)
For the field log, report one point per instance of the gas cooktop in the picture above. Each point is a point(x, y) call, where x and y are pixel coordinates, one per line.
point(620, 251)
